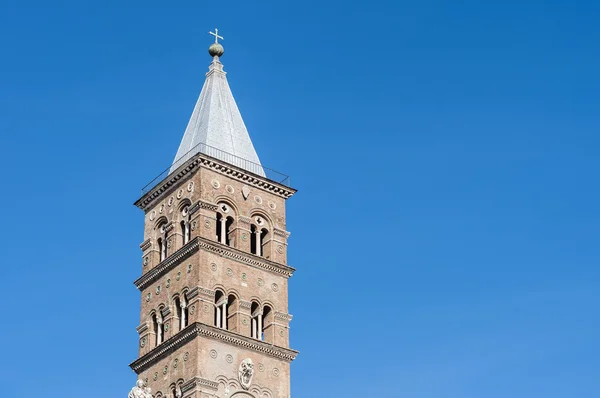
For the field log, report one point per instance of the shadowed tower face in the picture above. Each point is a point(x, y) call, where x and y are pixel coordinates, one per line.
point(214, 319)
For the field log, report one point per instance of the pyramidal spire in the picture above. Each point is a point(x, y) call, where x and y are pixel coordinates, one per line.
point(216, 127)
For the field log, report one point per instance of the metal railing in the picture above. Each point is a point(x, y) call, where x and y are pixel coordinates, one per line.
point(227, 157)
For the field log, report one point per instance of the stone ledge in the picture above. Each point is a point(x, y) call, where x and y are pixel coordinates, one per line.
point(201, 160)
point(201, 330)
point(218, 248)
point(168, 264)
point(198, 381)
point(245, 258)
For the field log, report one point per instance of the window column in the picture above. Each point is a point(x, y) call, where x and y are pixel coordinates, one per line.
point(223, 230)
point(258, 243)
point(183, 320)
point(260, 326)
point(224, 314)
point(159, 335)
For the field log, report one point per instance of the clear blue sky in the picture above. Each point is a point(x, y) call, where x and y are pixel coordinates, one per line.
point(445, 232)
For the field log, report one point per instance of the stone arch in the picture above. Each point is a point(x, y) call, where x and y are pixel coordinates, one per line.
point(234, 292)
point(160, 221)
point(181, 205)
point(260, 212)
point(224, 199)
point(269, 303)
point(243, 394)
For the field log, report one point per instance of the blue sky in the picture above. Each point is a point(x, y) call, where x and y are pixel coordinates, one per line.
point(445, 232)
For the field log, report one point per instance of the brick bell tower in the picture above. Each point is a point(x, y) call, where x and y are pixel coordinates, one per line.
point(214, 318)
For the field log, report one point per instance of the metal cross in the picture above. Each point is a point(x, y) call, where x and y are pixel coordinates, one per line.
point(216, 35)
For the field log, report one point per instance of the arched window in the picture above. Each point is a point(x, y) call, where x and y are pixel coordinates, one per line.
point(220, 310)
point(256, 324)
point(231, 302)
point(224, 225)
point(259, 234)
point(158, 327)
point(185, 232)
point(181, 311)
point(229, 231)
point(263, 238)
point(155, 327)
point(266, 320)
point(175, 391)
point(177, 304)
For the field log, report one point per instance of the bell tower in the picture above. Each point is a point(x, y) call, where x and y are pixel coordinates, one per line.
point(214, 319)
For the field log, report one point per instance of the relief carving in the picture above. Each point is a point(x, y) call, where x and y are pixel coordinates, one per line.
point(246, 372)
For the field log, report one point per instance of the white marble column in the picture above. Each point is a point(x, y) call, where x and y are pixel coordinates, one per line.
point(183, 307)
point(218, 309)
point(223, 230)
point(253, 332)
point(224, 313)
point(159, 334)
point(260, 326)
point(186, 237)
point(258, 243)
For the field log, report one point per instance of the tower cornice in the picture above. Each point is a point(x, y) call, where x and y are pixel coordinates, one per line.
point(201, 330)
point(224, 251)
point(175, 178)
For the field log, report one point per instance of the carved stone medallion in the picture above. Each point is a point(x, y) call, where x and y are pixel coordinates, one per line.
point(245, 373)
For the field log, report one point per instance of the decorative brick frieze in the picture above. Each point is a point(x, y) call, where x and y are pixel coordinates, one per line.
point(248, 178)
point(245, 305)
point(211, 332)
point(244, 258)
point(168, 264)
point(200, 159)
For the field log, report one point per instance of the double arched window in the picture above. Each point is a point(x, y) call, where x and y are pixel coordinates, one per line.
point(182, 311)
point(220, 310)
point(185, 225)
point(224, 309)
point(259, 234)
point(175, 389)
point(224, 227)
point(161, 237)
point(260, 317)
point(158, 327)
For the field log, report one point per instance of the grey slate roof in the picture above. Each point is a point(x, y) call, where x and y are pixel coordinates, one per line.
point(216, 127)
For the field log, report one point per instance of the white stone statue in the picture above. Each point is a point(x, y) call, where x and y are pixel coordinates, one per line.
point(246, 372)
point(148, 392)
point(138, 390)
